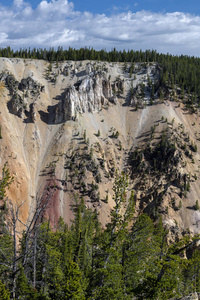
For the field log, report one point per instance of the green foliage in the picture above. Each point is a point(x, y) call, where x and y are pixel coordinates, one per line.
point(152, 92)
point(50, 68)
point(192, 274)
point(106, 199)
point(141, 254)
point(73, 288)
point(98, 133)
point(130, 258)
point(125, 66)
point(193, 147)
point(85, 136)
point(115, 135)
point(6, 241)
point(180, 204)
point(158, 157)
point(4, 293)
point(197, 205)
point(121, 262)
point(132, 67)
point(187, 187)
point(5, 182)
point(24, 290)
point(6, 253)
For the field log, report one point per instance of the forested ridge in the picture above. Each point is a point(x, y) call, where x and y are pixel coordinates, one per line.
point(130, 258)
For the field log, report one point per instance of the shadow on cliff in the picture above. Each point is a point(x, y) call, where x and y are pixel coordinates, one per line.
point(81, 73)
point(28, 115)
point(127, 99)
point(21, 112)
point(11, 110)
point(49, 117)
point(9, 106)
point(61, 97)
point(191, 207)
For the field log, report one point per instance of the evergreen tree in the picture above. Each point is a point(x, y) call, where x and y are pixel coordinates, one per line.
point(23, 289)
point(73, 288)
point(108, 282)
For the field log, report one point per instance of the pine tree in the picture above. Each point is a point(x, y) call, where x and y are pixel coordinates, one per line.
point(23, 289)
point(73, 288)
point(197, 205)
point(108, 280)
point(140, 255)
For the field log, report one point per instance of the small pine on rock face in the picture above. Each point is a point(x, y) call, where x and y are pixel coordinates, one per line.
point(197, 205)
point(106, 200)
point(180, 205)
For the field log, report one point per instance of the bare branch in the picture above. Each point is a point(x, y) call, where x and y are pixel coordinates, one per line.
point(5, 265)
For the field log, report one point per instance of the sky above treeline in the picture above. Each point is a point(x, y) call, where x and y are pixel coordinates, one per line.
point(167, 26)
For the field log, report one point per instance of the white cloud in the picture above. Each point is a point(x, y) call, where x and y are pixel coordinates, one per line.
point(55, 8)
point(57, 23)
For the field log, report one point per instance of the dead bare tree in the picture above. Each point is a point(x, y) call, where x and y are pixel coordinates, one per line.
point(9, 230)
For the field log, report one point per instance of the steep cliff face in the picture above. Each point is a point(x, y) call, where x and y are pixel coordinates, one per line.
point(88, 95)
point(67, 127)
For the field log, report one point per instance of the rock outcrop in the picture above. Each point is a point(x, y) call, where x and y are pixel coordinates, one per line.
point(24, 94)
point(88, 95)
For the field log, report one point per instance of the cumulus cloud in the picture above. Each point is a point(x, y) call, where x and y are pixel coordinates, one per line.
point(57, 23)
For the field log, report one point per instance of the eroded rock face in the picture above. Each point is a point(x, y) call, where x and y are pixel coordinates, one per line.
point(11, 83)
point(17, 105)
point(89, 94)
point(28, 84)
point(86, 96)
point(33, 112)
point(37, 144)
point(107, 89)
point(24, 93)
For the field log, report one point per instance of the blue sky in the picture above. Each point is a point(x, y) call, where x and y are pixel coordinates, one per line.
point(152, 5)
point(167, 26)
point(106, 7)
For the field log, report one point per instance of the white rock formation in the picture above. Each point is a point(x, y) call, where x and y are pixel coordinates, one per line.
point(88, 96)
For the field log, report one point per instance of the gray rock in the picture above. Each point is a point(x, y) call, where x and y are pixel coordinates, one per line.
point(33, 112)
point(87, 95)
point(193, 296)
point(17, 105)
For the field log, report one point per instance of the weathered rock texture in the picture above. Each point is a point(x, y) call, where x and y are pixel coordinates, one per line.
point(88, 95)
point(68, 127)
